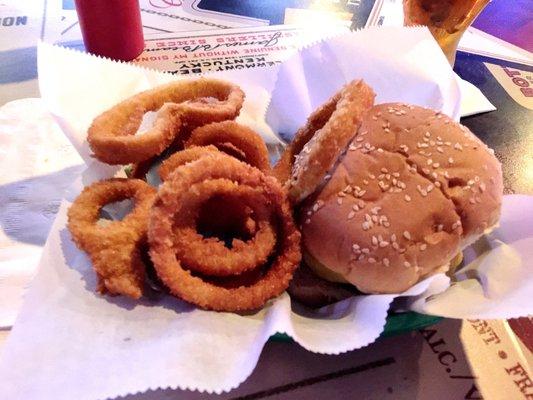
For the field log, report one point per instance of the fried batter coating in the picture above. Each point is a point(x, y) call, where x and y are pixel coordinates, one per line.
point(229, 136)
point(250, 293)
point(114, 249)
point(180, 106)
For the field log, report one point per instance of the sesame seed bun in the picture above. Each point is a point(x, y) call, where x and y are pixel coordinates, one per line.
point(411, 191)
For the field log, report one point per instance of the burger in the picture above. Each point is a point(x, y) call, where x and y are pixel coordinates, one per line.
point(399, 201)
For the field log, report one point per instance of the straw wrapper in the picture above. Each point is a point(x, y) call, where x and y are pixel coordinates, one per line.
point(69, 342)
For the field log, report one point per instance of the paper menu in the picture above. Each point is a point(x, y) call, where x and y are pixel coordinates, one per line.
point(158, 16)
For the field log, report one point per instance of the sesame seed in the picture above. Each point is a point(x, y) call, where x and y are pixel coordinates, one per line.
point(427, 134)
point(437, 184)
point(393, 237)
point(365, 182)
point(374, 218)
point(407, 235)
point(457, 146)
point(440, 227)
point(361, 204)
point(383, 244)
point(375, 210)
point(339, 200)
point(359, 139)
point(365, 225)
point(384, 170)
point(386, 224)
point(396, 174)
point(365, 250)
point(307, 221)
point(351, 214)
point(429, 161)
point(374, 118)
point(374, 240)
point(380, 150)
point(423, 246)
point(407, 197)
point(355, 246)
point(395, 246)
point(361, 257)
point(386, 262)
point(436, 165)
point(430, 188)
point(328, 176)
point(476, 178)
point(368, 218)
point(482, 187)
point(440, 150)
point(470, 182)
point(406, 264)
point(371, 260)
point(372, 176)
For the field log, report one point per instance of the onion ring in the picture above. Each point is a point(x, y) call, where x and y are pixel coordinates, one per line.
point(283, 168)
point(179, 104)
point(201, 291)
point(210, 256)
point(114, 249)
point(330, 133)
point(183, 157)
point(229, 136)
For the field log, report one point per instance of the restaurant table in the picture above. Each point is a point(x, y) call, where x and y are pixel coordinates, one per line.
point(285, 369)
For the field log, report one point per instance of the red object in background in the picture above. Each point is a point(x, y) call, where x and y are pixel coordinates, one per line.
point(523, 327)
point(111, 28)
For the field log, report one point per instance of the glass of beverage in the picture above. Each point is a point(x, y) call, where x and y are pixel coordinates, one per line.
point(447, 20)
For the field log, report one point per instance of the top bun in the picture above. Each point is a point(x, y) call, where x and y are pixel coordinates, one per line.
point(412, 190)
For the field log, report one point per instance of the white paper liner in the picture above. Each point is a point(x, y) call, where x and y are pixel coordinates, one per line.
point(69, 342)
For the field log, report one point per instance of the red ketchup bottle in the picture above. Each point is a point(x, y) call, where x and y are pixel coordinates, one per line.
point(111, 28)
